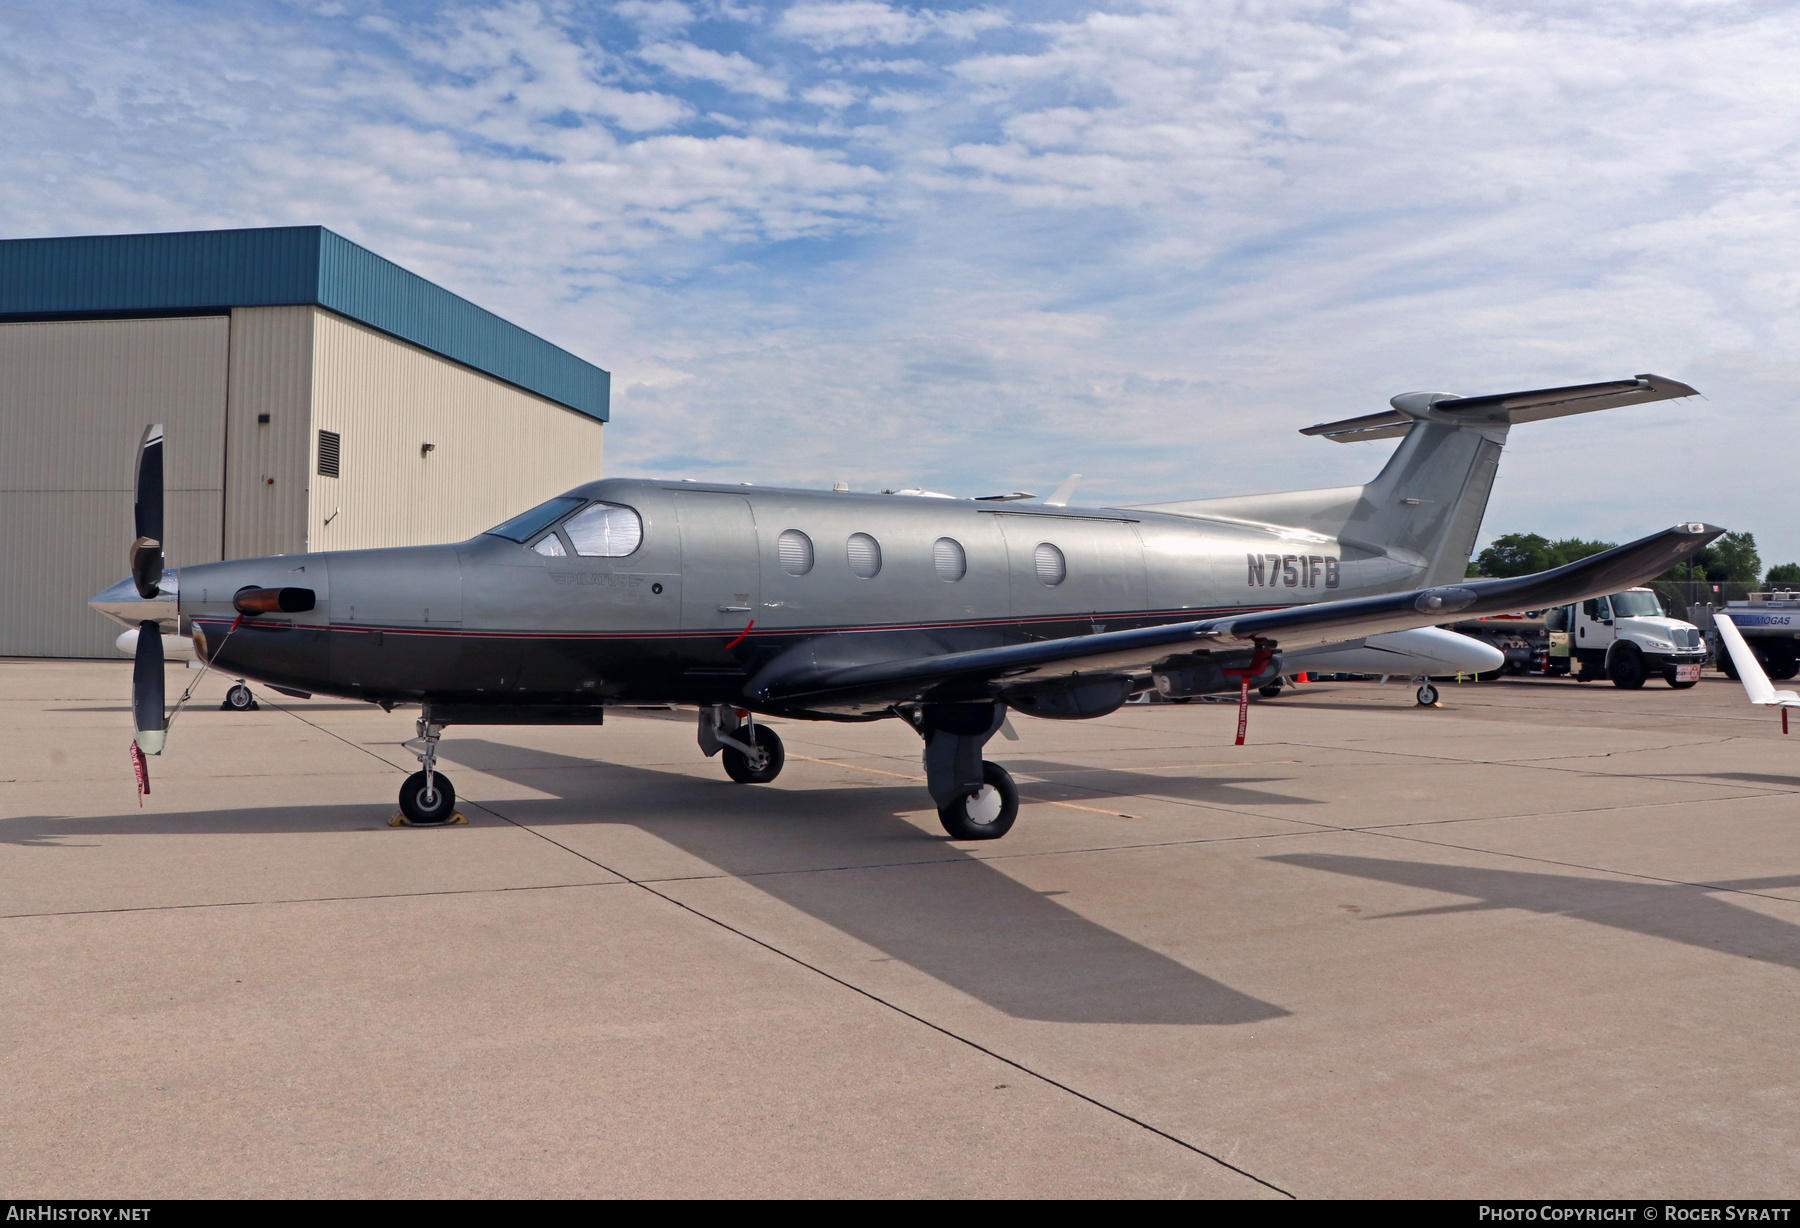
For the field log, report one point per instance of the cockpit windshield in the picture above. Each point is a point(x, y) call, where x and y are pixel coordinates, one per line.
point(1641, 604)
point(521, 527)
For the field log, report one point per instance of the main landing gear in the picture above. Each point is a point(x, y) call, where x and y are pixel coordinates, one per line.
point(976, 799)
point(427, 796)
point(753, 754)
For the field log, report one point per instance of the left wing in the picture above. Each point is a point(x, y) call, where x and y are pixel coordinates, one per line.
point(1304, 626)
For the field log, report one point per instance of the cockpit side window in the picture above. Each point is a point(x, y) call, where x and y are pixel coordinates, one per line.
point(526, 525)
point(551, 547)
point(605, 530)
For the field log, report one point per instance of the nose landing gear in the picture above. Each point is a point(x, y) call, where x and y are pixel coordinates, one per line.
point(239, 699)
point(427, 797)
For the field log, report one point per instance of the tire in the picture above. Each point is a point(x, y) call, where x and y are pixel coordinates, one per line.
point(1270, 691)
point(1492, 675)
point(1728, 667)
point(737, 763)
point(987, 814)
point(442, 806)
point(1781, 668)
point(1679, 686)
point(1627, 669)
point(238, 699)
point(1427, 695)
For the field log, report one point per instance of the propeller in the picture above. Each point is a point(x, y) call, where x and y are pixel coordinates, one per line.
point(146, 574)
point(147, 512)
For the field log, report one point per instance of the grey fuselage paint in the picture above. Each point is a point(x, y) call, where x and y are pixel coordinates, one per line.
point(704, 602)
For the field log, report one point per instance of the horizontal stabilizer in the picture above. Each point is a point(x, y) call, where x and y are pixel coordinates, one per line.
point(1499, 409)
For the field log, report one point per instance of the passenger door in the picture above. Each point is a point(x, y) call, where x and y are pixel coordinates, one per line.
point(720, 563)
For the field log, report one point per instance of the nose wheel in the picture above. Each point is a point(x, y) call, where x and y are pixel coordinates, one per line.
point(428, 800)
point(427, 796)
point(1428, 695)
point(239, 699)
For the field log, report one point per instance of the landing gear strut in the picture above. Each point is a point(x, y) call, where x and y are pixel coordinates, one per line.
point(753, 754)
point(976, 799)
point(427, 796)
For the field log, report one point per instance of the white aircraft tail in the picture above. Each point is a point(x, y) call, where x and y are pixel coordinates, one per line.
point(1425, 507)
point(1750, 671)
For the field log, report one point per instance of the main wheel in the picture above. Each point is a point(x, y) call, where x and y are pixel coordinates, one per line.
point(1679, 686)
point(774, 755)
point(1727, 666)
point(439, 807)
point(1781, 666)
point(1627, 669)
point(239, 699)
point(1270, 691)
point(987, 813)
point(1428, 695)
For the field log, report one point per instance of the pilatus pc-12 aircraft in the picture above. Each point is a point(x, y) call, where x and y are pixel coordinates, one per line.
point(823, 605)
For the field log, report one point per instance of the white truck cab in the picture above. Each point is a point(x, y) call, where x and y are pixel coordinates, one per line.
point(1625, 637)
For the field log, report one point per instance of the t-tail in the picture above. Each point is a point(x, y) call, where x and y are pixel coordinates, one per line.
point(1425, 507)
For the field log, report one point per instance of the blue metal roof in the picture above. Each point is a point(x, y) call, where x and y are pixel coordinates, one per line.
point(214, 270)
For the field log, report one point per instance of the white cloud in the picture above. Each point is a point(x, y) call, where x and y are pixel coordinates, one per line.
point(734, 71)
point(859, 23)
point(1146, 243)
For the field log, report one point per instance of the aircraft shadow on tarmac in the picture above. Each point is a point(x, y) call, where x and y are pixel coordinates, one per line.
point(1675, 911)
point(843, 855)
point(1754, 778)
point(1094, 782)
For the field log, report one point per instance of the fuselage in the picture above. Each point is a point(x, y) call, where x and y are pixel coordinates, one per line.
point(720, 581)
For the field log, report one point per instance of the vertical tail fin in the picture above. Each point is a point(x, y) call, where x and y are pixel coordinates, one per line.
point(1425, 507)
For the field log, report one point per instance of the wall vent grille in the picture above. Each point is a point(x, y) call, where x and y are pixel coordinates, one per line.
point(330, 443)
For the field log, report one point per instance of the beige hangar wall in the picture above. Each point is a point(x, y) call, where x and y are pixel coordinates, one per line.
point(497, 449)
point(75, 397)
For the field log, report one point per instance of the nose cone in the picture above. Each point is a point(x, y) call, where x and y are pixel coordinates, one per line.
point(121, 602)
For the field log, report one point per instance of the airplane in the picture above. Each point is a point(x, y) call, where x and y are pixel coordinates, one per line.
point(1750, 671)
point(947, 614)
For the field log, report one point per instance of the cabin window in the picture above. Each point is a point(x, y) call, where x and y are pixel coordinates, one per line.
point(526, 525)
point(551, 547)
point(865, 555)
point(948, 557)
point(330, 448)
point(796, 551)
point(1051, 568)
point(605, 530)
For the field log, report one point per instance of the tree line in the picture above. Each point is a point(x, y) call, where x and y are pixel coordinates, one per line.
point(1732, 559)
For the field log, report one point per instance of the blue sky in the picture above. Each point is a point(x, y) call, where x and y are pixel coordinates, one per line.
point(978, 247)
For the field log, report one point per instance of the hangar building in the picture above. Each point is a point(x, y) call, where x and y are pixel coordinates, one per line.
point(314, 395)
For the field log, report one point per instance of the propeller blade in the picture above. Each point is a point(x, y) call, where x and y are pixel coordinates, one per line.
point(147, 689)
point(147, 513)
